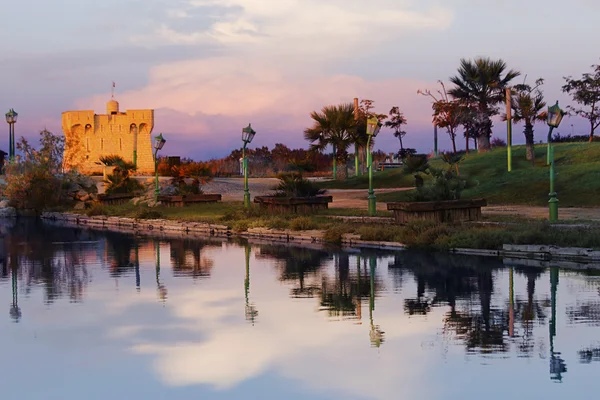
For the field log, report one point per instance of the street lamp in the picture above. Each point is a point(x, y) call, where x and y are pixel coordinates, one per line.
point(247, 136)
point(373, 128)
point(555, 116)
point(159, 142)
point(11, 120)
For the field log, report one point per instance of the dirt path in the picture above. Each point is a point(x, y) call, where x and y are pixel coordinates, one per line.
point(232, 189)
point(567, 213)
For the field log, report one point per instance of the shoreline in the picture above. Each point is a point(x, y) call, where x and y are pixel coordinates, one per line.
point(538, 256)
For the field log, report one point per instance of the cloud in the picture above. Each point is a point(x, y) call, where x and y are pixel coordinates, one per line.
point(212, 99)
point(296, 28)
point(287, 339)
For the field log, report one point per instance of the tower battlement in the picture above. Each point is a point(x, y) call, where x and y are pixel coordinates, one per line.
point(90, 136)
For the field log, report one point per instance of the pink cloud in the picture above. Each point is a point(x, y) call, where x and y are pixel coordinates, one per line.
point(205, 103)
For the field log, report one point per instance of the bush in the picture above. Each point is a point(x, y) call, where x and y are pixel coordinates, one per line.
point(96, 209)
point(447, 184)
point(149, 214)
point(498, 142)
point(241, 225)
point(302, 224)
point(557, 138)
point(294, 185)
point(334, 235)
point(34, 180)
point(405, 153)
point(120, 180)
point(380, 233)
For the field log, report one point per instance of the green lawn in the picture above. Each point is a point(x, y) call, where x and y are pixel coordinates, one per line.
point(577, 179)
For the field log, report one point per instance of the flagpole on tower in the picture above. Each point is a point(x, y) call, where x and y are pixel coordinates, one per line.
point(112, 91)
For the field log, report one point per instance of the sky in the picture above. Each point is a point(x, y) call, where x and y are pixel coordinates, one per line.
point(210, 67)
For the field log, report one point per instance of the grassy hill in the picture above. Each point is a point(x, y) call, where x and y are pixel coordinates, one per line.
point(577, 177)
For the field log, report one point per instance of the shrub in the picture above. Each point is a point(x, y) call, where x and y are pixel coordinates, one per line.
point(447, 184)
point(380, 233)
point(120, 180)
point(96, 209)
point(302, 224)
point(34, 180)
point(405, 153)
point(498, 142)
point(197, 172)
point(294, 185)
point(241, 225)
point(557, 138)
point(149, 214)
point(334, 235)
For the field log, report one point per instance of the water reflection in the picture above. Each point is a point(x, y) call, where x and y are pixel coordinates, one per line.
point(311, 322)
point(250, 310)
point(557, 364)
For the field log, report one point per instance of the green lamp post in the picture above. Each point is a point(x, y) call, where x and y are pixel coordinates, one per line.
point(159, 142)
point(555, 116)
point(247, 136)
point(373, 128)
point(11, 120)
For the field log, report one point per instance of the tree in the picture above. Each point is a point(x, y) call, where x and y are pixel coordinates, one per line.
point(34, 180)
point(527, 104)
point(361, 137)
point(397, 119)
point(586, 92)
point(333, 125)
point(120, 181)
point(447, 113)
point(481, 84)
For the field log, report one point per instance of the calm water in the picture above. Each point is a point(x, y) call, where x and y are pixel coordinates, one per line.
point(97, 315)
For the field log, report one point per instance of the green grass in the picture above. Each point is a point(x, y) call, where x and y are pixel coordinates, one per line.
point(577, 179)
point(392, 178)
point(415, 235)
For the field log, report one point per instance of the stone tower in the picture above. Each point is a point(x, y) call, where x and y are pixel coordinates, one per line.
point(89, 136)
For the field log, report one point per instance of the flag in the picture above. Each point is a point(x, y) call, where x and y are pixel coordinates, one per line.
point(113, 83)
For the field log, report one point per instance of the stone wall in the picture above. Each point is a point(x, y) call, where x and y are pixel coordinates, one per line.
point(90, 136)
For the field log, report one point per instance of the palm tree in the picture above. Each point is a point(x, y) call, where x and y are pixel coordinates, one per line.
point(481, 83)
point(120, 180)
point(397, 119)
point(527, 104)
point(335, 126)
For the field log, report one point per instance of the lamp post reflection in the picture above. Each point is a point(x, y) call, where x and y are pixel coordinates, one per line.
point(250, 310)
point(376, 334)
point(160, 288)
point(15, 311)
point(557, 364)
point(358, 298)
point(511, 302)
point(137, 267)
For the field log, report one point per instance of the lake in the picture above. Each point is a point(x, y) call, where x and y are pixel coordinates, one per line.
point(98, 314)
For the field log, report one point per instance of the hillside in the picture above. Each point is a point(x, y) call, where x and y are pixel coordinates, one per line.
point(577, 177)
